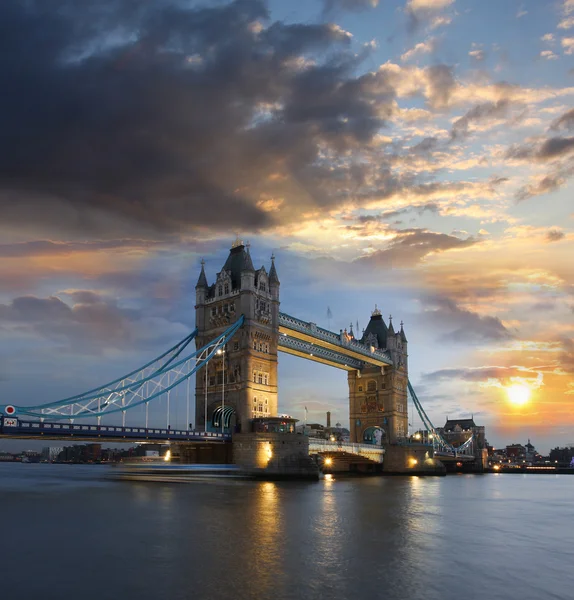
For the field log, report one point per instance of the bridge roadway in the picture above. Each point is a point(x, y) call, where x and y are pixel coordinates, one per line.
point(369, 452)
point(307, 340)
point(37, 430)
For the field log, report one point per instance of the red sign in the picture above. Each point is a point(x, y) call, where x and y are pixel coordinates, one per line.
point(10, 410)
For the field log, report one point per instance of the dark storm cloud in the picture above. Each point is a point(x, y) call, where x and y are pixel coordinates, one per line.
point(413, 245)
point(480, 112)
point(461, 325)
point(154, 117)
point(554, 235)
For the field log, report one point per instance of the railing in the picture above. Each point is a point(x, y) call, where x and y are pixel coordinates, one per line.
point(333, 338)
point(39, 428)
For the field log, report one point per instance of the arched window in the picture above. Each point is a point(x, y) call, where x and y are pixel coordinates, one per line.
point(360, 388)
point(372, 386)
point(266, 381)
point(254, 377)
point(254, 345)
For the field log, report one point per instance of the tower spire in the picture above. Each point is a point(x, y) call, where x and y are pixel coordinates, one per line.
point(403, 336)
point(273, 278)
point(202, 281)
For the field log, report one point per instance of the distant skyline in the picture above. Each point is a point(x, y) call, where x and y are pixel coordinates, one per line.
point(414, 154)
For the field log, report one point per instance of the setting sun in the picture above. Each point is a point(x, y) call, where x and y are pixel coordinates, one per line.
point(518, 394)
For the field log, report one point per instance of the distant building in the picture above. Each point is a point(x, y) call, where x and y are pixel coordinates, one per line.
point(515, 451)
point(457, 431)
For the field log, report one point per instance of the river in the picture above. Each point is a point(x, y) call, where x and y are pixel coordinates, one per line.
point(68, 532)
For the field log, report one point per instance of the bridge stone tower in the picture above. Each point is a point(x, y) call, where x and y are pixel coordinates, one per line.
point(378, 395)
point(251, 356)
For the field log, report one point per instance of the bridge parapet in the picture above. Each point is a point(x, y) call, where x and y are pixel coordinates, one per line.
point(313, 330)
point(370, 451)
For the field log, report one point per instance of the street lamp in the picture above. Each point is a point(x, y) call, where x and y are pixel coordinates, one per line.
point(221, 351)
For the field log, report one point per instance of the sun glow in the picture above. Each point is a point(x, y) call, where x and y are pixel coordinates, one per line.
point(518, 394)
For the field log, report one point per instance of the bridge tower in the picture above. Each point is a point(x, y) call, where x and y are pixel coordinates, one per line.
point(378, 395)
point(250, 358)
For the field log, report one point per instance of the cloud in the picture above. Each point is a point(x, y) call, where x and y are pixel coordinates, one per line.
point(350, 5)
point(548, 37)
point(544, 184)
point(548, 55)
point(424, 5)
point(478, 55)
point(566, 23)
point(411, 246)
point(554, 235)
point(50, 248)
point(568, 45)
point(424, 11)
point(426, 47)
point(554, 147)
point(460, 325)
point(521, 12)
point(88, 323)
point(565, 121)
point(131, 137)
point(480, 112)
point(549, 149)
point(481, 374)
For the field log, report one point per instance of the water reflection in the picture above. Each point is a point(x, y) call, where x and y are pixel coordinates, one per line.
point(471, 537)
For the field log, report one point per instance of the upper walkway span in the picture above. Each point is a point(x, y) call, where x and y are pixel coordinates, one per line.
point(307, 340)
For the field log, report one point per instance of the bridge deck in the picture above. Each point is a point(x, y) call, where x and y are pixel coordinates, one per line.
point(103, 433)
point(321, 345)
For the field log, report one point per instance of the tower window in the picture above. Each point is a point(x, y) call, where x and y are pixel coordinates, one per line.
point(360, 388)
point(219, 291)
point(213, 311)
point(260, 378)
point(236, 345)
point(263, 287)
point(227, 288)
point(372, 386)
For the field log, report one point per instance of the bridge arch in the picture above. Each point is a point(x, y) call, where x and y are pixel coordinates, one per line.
point(229, 417)
point(374, 435)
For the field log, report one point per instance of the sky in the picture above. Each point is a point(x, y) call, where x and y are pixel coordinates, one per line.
point(414, 154)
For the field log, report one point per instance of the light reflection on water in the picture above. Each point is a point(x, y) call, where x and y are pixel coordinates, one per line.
point(67, 532)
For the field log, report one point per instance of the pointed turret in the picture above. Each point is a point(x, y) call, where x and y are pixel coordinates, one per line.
point(202, 281)
point(273, 278)
point(377, 329)
point(391, 330)
point(403, 336)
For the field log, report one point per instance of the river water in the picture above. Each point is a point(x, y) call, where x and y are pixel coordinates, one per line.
point(66, 532)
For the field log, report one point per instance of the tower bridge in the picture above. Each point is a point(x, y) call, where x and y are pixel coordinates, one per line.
point(239, 334)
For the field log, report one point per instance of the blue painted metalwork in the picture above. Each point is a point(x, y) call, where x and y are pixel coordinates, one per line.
point(440, 445)
point(132, 390)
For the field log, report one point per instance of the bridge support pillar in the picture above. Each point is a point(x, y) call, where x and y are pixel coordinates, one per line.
point(274, 455)
point(412, 459)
